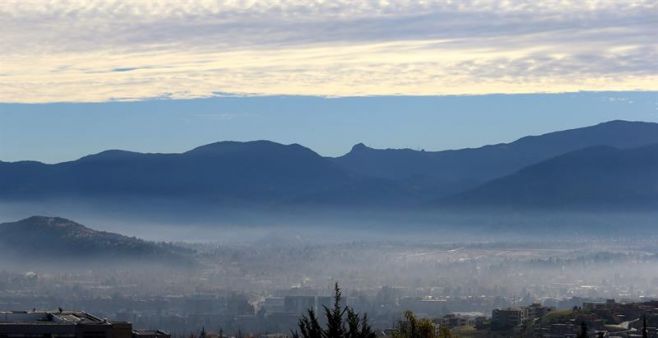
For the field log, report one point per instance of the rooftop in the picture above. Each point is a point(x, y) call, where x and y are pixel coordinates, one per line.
point(49, 317)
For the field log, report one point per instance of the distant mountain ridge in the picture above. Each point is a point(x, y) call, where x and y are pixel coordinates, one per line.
point(443, 173)
point(595, 177)
point(228, 173)
point(40, 237)
point(272, 175)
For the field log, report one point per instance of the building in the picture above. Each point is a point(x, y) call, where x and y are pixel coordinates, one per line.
point(458, 319)
point(299, 304)
point(322, 301)
point(502, 319)
point(452, 321)
point(536, 310)
point(273, 305)
point(66, 324)
point(150, 334)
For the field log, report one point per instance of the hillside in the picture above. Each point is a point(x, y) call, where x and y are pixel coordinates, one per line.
point(227, 176)
point(224, 173)
point(40, 237)
point(596, 177)
point(444, 173)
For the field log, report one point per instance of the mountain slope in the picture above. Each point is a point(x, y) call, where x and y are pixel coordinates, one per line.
point(223, 176)
point(595, 177)
point(224, 173)
point(445, 173)
point(40, 237)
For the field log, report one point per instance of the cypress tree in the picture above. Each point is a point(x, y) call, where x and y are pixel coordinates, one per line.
point(338, 325)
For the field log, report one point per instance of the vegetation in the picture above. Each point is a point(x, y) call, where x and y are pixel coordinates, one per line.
point(557, 316)
point(583, 330)
point(342, 322)
point(412, 327)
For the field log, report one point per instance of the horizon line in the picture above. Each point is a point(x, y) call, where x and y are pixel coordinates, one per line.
point(229, 95)
point(324, 156)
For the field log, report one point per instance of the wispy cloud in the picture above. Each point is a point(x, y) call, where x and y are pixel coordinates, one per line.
point(103, 50)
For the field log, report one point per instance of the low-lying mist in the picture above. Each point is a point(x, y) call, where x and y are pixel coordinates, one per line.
point(165, 221)
point(432, 262)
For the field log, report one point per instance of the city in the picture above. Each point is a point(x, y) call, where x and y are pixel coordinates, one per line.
point(328, 169)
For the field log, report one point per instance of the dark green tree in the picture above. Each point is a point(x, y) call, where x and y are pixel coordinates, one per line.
point(309, 326)
point(583, 330)
point(342, 322)
point(335, 327)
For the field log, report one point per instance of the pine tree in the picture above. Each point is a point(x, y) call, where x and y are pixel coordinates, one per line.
point(583, 330)
point(309, 326)
point(342, 322)
point(335, 328)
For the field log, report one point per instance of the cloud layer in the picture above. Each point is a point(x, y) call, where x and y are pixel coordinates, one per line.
point(125, 50)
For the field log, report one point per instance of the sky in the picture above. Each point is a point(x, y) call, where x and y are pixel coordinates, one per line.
point(93, 50)
point(330, 126)
point(78, 77)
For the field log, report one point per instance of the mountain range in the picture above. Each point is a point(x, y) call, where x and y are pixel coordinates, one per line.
point(443, 173)
point(594, 177)
point(612, 164)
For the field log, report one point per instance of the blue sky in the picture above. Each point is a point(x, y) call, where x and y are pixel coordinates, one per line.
point(330, 126)
point(81, 76)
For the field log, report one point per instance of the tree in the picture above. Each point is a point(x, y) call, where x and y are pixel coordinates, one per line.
point(412, 327)
point(583, 330)
point(342, 322)
point(645, 331)
point(444, 332)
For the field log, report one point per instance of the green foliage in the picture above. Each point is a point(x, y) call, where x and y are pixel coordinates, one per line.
point(412, 327)
point(557, 316)
point(444, 332)
point(342, 322)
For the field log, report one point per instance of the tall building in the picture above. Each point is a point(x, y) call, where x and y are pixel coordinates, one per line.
point(508, 318)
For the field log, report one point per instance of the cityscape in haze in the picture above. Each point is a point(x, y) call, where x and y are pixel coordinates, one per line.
point(328, 169)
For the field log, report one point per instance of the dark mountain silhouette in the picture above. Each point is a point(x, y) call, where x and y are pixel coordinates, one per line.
point(595, 177)
point(267, 174)
point(223, 173)
point(444, 173)
point(40, 237)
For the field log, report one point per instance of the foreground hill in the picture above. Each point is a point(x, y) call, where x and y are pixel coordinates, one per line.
point(444, 173)
point(595, 177)
point(55, 238)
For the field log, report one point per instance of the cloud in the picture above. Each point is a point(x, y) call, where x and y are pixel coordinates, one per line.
point(124, 69)
point(103, 50)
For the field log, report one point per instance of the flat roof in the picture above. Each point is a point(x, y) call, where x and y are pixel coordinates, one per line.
point(49, 317)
